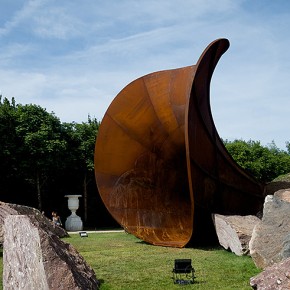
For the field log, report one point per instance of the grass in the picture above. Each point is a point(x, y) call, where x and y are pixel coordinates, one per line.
point(121, 261)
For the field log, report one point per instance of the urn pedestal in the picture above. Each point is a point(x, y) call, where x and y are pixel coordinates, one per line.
point(73, 222)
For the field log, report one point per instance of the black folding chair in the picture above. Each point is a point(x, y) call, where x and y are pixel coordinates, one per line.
point(183, 272)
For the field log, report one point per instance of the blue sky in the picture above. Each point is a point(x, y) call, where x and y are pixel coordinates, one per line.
point(73, 57)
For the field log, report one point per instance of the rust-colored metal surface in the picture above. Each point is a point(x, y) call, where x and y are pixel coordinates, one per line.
point(160, 166)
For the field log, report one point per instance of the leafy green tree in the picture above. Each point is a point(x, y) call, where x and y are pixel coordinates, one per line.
point(264, 163)
point(42, 159)
point(42, 145)
point(81, 139)
point(8, 144)
point(288, 147)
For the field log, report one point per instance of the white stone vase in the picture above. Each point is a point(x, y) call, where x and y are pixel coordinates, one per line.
point(73, 222)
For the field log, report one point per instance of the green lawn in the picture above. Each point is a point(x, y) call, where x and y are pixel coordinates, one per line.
point(121, 261)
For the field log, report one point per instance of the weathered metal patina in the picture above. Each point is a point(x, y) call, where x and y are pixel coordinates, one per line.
point(160, 165)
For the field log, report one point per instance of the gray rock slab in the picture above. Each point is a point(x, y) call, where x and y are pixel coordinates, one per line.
point(15, 209)
point(36, 259)
point(273, 277)
point(234, 232)
point(283, 194)
point(22, 258)
point(270, 242)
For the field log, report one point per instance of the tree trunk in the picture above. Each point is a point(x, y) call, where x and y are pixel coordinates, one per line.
point(85, 198)
point(38, 188)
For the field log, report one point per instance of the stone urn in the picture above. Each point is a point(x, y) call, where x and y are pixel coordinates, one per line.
point(73, 222)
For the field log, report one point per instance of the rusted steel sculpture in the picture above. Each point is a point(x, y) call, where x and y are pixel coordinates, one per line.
point(160, 166)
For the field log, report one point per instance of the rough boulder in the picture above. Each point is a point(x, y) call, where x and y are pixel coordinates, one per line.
point(234, 232)
point(274, 277)
point(270, 242)
point(283, 194)
point(36, 259)
point(34, 214)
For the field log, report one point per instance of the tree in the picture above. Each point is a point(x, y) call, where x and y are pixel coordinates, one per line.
point(81, 141)
point(42, 159)
point(288, 147)
point(10, 179)
point(264, 163)
point(42, 146)
point(8, 144)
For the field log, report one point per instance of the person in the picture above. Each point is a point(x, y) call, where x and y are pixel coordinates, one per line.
point(56, 219)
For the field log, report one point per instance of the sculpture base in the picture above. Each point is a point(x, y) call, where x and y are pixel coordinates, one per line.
point(73, 223)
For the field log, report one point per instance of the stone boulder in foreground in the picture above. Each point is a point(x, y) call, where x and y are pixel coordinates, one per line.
point(234, 232)
point(274, 277)
point(15, 209)
point(36, 259)
point(270, 242)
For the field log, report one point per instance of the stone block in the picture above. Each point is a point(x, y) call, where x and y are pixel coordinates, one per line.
point(283, 194)
point(234, 232)
point(36, 259)
point(273, 277)
point(34, 214)
point(270, 242)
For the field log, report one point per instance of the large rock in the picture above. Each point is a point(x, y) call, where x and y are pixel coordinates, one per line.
point(34, 259)
point(270, 242)
point(274, 277)
point(14, 209)
point(234, 232)
point(283, 194)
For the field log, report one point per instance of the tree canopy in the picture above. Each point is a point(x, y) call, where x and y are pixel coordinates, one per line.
point(42, 154)
point(263, 162)
point(43, 159)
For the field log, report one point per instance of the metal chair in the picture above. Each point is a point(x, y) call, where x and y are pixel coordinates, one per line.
point(183, 272)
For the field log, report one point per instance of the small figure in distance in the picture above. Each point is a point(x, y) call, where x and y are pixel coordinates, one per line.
point(56, 219)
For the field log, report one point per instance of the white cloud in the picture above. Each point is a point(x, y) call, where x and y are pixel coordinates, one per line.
point(21, 15)
point(73, 59)
point(55, 25)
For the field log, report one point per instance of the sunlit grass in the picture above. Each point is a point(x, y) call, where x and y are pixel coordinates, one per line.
point(121, 261)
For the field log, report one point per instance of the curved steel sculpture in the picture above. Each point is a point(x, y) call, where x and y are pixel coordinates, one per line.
point(160, 166)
